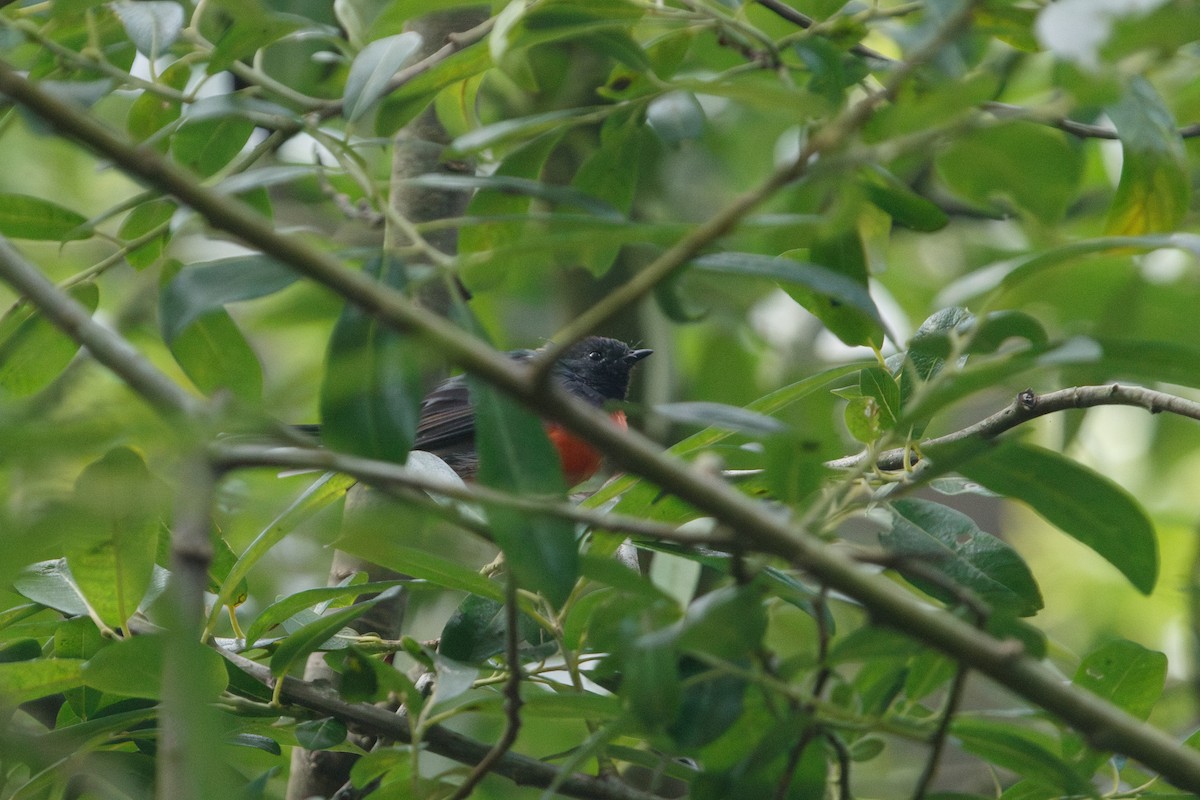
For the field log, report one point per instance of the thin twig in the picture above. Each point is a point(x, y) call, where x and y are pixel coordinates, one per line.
point(1028, 405)
point(937, 743)
point(512, 694)
point(454, 43)
point(105, 346)
point(384, 474)
point(844, 761)
point(1081, 130)
point(804, 21)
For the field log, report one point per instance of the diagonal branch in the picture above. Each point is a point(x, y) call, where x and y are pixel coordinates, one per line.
point(107, 347)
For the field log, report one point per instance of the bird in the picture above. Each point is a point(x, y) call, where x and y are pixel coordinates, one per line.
point(595, 369)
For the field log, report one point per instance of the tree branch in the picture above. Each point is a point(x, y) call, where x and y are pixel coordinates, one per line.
point(1028, 405)
point(191, 555)
point(521, 770)
point(512, 695)
point(387, 475)
point(105, 346)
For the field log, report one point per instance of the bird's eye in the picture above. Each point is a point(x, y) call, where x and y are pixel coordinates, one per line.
point(595, 355)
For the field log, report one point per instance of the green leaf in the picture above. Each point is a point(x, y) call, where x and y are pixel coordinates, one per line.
point(1149, 360)
point(401, 106)
point(951, 543)
point(251, 29)
point(111, 557)
point(904, 205)
point(26, 217)
point(610, 174)
point(324, 491)
point(316, 635)
point(1019, 750)
point(719, 415)
point(862, 419)
point(80, 638)
point(728, 623)
point(1012, 272)
point(145, 218)
point(200, 288)
point(1080, 502)
point(289, 606)
point(371, 393)
point(478, 630)
point(1154, 191)
point(37, 351)
point(515, 456)
point(321, 734)
point(878, 384)
point(152, 25)
point(208, 144)
point(215, 355)
point(840, 301)
point(133, 668)
point(707, 708)
point(651, 689)
point(28, 680)
point(151, 112)
point(373, 67)
point(1032, 166)
point(525, 163)
point(1125, 674)
point(49, 583)
point(523, 128)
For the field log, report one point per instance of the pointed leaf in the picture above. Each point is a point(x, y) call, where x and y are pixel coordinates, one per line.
point(371, 393)
point(315, 634)
point(1080, 502)
point(37, 351)
point(840, 301)
point(951, 543)
point(325, 490)
point(1125, 674)
point(200, 288)
point(1154, 190)
point(152, 25)
point(1014, 748)
point(25, 217)
point(516, 456)
point(287, 607)
point(28, 680)
point(373, 68)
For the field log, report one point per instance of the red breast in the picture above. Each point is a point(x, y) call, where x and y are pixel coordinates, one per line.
point(580, 460)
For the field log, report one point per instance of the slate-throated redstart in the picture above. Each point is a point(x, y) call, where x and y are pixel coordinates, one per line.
point(595, 369)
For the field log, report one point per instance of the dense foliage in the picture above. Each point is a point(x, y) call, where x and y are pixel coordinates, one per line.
point(892, 258)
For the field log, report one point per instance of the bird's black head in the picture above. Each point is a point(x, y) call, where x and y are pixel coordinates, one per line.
point(597, 369)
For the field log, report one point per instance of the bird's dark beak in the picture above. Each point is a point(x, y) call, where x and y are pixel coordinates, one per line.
point(637, 355)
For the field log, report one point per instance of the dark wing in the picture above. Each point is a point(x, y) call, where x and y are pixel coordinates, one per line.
point(447, 419)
